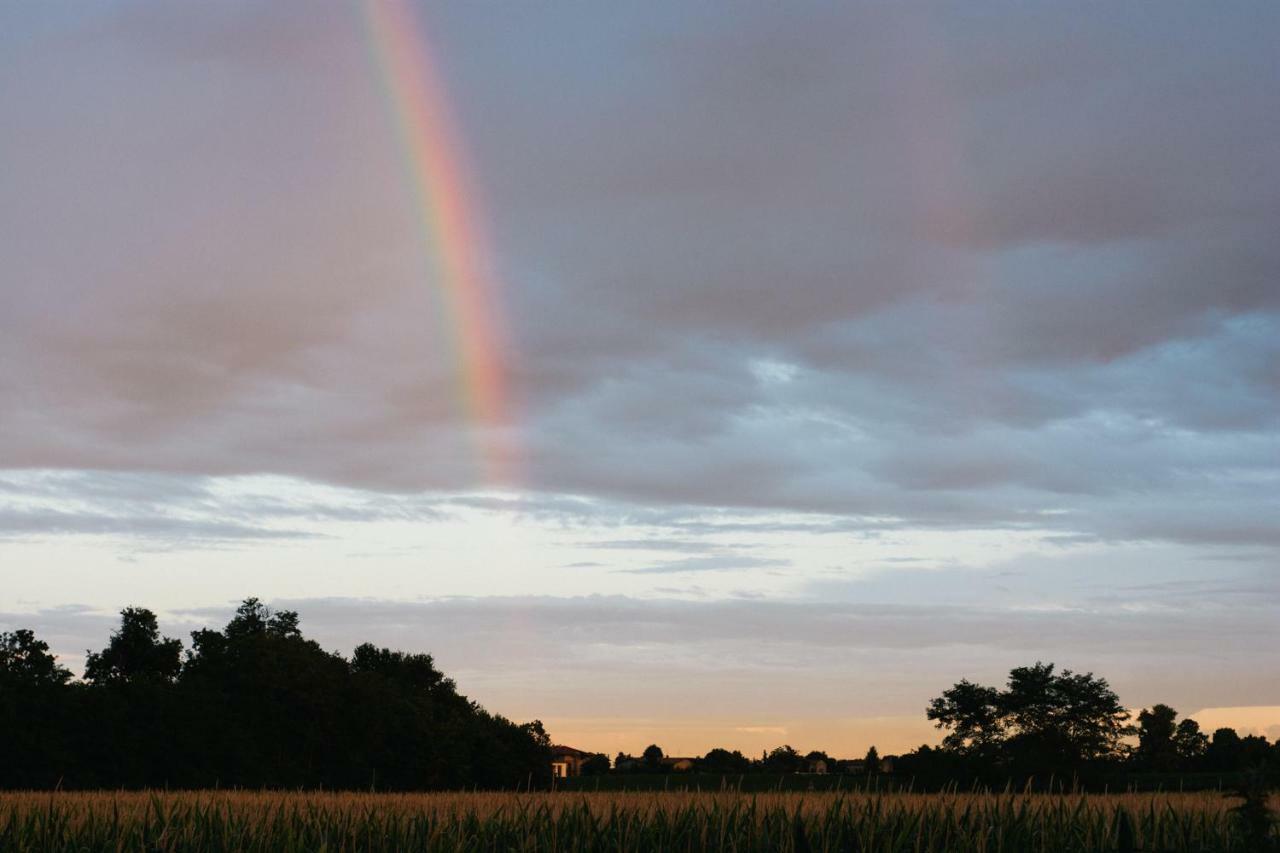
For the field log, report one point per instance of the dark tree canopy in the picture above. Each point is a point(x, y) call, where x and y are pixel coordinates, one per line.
point(972, 716)
point(725, 761)
point(784, 759)
point(1043, 718)
point(255, 704)
point(1157, 730)
point(25, 662)
point(137, 654)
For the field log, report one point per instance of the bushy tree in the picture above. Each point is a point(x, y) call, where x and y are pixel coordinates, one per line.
point(26, 663)
point(1043, 721)
point(136, 654)
point(35, 700)
point(1156, 731)
point(1189, 742)
point(724, 761)
point(783, 759)
point(972, 716)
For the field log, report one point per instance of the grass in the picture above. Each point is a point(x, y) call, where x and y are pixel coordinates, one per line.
point(636, 821)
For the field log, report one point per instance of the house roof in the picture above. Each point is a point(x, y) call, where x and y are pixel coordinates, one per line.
point(558, 750)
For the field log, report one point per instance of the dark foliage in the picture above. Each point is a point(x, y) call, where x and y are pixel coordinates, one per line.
point(253, 705)
point(1071, 728)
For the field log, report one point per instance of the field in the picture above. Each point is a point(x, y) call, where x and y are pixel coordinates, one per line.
point(296, 821)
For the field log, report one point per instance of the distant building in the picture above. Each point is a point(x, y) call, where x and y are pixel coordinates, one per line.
point(679, 765)
point(567, 761)
point(816, 765)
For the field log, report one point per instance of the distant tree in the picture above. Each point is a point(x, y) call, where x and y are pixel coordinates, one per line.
point(1255, 752)
point(416, 671)
point(595, 765)
point(724, 761)
point(535, 730)
point(872, 761)
point(136, 653)
point(253, 618)
point(1224, 751)
point(783, 759)
point(35, 701)
point(25, 662)
point(1156, 731)
point(973, 717)
point(1043, 721)
point(1189, 742)
point(1075, 717)
point(816, 755)
point(652, 757)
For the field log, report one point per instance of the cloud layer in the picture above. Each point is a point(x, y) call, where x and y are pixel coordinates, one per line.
point(1006, 274)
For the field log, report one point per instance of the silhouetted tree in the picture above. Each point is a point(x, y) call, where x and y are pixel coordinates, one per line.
point(1042, 722)
point(652, 757)
point(26, 663)
point(1189, 742)
point(35, 703)
point(972, 716)
point(136, 653)
point(1156, 730)
point(1224, 751)
point(783, 759)
point(255, 704)
point(872, 761)
point(595, 765)
point(724, 761)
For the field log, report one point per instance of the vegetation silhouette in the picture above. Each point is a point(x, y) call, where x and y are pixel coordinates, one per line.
point(256, 704)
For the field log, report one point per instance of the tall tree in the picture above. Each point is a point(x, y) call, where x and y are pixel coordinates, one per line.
point(136, 653)
point(1189, 742)
point(783, 759)
point(872, 761)
point(724, 761)
point(972, 716)
point(1043, 720)
point(25, 662)
point(35, 701)
point(1156, 730)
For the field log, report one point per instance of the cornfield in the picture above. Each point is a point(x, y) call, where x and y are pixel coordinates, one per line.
point(886, 823)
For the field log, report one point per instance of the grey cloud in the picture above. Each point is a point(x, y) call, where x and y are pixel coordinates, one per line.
point(1018, 263)
point(709, 563)
point(174, 530)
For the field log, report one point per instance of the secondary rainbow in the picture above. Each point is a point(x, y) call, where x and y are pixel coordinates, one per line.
point(449, 222)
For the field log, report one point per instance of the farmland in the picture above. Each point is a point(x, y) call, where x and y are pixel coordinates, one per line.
point(619, 821)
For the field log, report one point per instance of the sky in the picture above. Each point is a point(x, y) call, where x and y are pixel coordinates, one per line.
point(846, 350)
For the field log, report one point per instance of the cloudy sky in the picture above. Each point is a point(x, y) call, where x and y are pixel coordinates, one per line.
point(850, 349)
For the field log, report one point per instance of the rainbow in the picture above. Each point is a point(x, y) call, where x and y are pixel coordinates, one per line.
point(448, 222)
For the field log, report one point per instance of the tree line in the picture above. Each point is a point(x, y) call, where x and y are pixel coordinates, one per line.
point(255, 704)
point(782, 759)
point(1046, 724)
